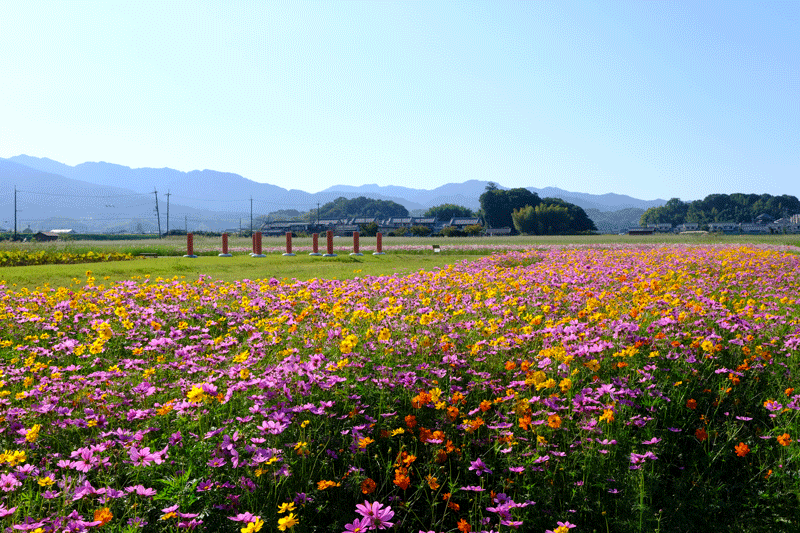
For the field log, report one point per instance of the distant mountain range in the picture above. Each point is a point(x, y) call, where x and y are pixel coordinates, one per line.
point(106, 197)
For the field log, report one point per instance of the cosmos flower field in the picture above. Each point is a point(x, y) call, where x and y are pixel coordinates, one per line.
point(617, 388)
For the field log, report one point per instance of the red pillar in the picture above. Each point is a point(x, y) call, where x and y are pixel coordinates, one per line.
point(355, 244)
point(379, 245)
point(258, 243)
point(315, 244)
point(330, 245)
point(253, 238)
point(289, 244)
point(190, 245)
point(224, 246)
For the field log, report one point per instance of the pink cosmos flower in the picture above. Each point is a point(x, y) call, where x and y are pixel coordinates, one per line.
point(377, 515)
point(144, 457)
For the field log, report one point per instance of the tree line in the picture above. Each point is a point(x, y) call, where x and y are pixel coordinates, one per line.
point(738, 208)
point(518, 209)
point(524, 212)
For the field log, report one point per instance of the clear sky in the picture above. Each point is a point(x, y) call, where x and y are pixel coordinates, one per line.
point(651, 99)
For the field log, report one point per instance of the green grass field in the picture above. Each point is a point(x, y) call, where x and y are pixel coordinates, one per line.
point(404, 255)
point(239, 267)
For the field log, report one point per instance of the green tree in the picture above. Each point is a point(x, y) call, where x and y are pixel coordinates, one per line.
point(473, 230)
point(448, 211)
point(735, 207)
point(579, 221)
point(525, 220)
point(420, 231)
point(368, 230)
point(497, 205)
point(452, 231)
point(362, 206)
point(552, 217)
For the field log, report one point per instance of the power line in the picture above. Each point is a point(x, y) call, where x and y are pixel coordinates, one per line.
point(81, 195)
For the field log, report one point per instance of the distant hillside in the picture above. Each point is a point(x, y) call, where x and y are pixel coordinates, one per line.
point(212, 200)
point(615, 221)
point(467, 194)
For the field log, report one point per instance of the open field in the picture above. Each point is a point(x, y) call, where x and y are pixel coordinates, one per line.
point(611, 388)
point(405, 254)
point(240, 267)
point(176, 245)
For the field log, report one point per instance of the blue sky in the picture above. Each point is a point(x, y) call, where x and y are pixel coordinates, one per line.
point(650, 99)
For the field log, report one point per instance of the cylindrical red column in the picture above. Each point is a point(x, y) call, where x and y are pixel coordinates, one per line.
point(224, 243)
point(288, 243)
point(189, 244)
point(315, 242)
point(330, 242)
point(258, 242)
point(253, 238)
point(355, 242)
point(379, 246)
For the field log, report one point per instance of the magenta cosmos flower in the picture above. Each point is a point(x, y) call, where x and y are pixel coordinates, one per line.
point(376, 513)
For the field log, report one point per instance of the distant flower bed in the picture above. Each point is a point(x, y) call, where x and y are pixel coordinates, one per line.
point(46, 257)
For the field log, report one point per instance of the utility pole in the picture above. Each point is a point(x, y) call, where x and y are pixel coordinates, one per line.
point(158, 216)
point(251, 215)
point(15, 212)
point(186, 224)
point(167, 211)
point(317, 213)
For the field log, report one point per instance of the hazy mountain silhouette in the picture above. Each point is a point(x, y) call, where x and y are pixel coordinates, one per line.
point(214, 200)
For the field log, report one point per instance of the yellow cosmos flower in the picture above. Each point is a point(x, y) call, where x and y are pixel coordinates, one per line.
point(287, 522)
point(286, 507)
point(252, 527)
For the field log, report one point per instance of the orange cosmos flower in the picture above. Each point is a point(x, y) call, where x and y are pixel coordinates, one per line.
point(452, 413)
point(420, 399)
point(784, 439)
point(691, 403)
point(554, 421)
point(742, 449)
point(425, 435)
point(464, 526)
point(103, 515)
point(368, 486)
point(401, 479)
point(441, 456)
point(701, 434)
point(473, 425)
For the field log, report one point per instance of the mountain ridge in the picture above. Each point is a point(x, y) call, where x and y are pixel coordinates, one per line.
point(227, 196)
